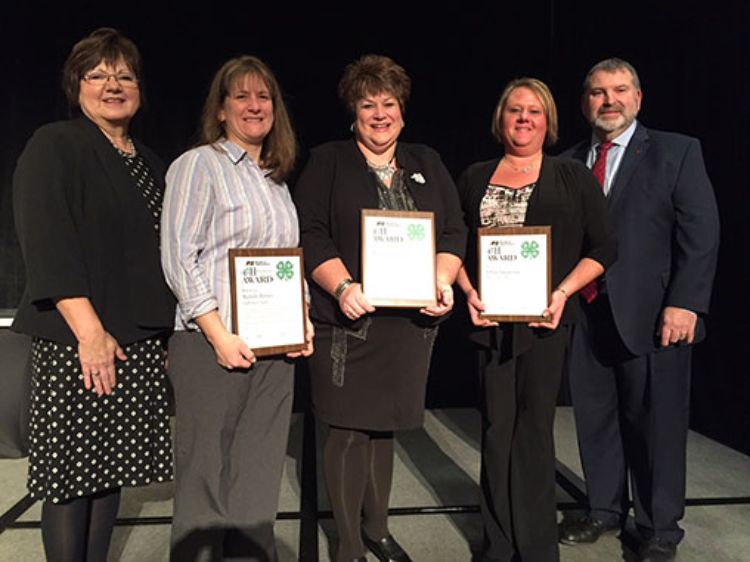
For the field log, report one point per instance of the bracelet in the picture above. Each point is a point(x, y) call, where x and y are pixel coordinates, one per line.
point(341, 287)
point(563, 291)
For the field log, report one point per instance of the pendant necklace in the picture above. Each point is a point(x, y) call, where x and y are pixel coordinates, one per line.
point(521, 169)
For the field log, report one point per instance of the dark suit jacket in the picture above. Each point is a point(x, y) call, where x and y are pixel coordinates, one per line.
point(85, 231)
point(666, 221)
point(336, 184)
point(567, 198)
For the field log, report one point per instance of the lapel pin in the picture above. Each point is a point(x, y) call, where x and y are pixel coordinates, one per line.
point(417, 177)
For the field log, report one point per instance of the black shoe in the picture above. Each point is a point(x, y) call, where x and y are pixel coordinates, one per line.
point(657, 550)
point(386, 549)
point(586, 530)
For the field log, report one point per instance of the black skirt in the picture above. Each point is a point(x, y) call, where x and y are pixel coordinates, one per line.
point(374, 378)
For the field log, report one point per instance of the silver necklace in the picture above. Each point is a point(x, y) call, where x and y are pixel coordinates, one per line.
point(384, 171)
point(129, 151)
point(521, 169)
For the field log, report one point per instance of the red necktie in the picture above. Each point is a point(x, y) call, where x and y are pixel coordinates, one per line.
point(590, 291)
point(600, 165)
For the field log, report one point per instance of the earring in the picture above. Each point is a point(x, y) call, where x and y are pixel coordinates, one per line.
point(351, 127)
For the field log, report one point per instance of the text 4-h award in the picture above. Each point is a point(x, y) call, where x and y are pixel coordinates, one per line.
point(514, 272)
point(268, 299)
point(398, 258)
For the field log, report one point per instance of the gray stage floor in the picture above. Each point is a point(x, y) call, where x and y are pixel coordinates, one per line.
point(435, 466)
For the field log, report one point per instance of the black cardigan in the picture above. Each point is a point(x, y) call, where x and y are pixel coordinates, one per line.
point(85, 231)
point(336, 184)
point(567, 198)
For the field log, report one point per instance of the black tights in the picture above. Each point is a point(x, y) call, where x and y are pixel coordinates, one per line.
point(80, 529)
point(358, 469)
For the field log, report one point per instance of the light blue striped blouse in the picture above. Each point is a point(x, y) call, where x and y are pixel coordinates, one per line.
point(218, 198)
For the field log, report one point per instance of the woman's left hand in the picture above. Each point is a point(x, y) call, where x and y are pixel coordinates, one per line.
point(553, 312)
point(444, 304)
point(309, 336)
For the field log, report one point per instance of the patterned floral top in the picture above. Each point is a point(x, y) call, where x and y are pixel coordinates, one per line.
point(505, 206)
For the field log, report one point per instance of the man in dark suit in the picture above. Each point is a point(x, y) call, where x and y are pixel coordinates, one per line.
point(630, 357)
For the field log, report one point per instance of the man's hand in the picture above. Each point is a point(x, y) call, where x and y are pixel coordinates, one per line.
point(677, 325)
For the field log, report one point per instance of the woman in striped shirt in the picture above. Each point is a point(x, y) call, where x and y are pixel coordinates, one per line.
point(233, 409)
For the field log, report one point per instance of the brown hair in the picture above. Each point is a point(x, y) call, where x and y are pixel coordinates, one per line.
point(374, 74)
point(611, 65)
point(104, 44)
point(279, 147)
point(541, 91)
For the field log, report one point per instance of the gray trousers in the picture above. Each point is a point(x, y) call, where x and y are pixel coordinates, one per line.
point(230, 444)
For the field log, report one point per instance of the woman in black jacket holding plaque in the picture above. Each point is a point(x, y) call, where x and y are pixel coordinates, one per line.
point(370, 368)
point(522, 365)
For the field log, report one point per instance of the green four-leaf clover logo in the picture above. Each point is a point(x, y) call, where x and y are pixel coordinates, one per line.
point(530, 249)
point(415, 231)
point(284, 270)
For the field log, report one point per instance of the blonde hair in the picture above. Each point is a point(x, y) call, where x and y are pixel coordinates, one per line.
point(542, 92)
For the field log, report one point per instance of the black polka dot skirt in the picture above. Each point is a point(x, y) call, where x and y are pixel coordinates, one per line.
point(81, 443)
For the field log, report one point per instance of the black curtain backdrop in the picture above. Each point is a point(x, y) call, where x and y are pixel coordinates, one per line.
point(693, 63)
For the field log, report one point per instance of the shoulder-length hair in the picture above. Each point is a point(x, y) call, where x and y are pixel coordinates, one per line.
point(104, 44)
point(542, 91)
point(280, 146)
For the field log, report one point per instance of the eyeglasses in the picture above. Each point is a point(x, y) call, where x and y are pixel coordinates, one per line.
point(125, 79)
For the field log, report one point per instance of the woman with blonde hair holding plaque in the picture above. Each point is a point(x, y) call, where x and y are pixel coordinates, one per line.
point(521, 365)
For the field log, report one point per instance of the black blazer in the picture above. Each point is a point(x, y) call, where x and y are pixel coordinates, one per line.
point(567, 198)
point(85, 231)
point(664, 213)
point(336, 184)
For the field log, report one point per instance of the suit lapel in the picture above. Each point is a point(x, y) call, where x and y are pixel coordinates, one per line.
point(635, 151)
point(130, 206)
point(111, 164)
point(362, 180)
point(580, 151)
point(415, 178)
